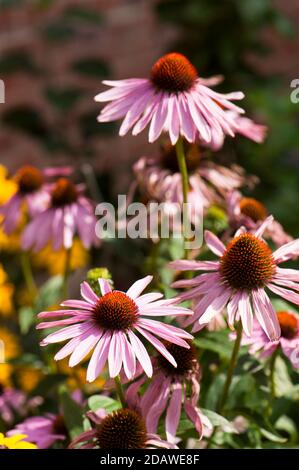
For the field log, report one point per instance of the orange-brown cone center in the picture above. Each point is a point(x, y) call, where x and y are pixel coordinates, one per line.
point(253, 209)
point(115, 311)
point(64, 192)
point(288, 324)
point(29, 179)
point(247, 263)
point(173, 73)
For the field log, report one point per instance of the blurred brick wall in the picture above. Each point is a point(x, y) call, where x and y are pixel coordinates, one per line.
point(130, 39)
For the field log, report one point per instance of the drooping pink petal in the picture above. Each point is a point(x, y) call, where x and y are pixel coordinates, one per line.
point(213, 242)
point(158, 345)
point(173, 413)
point(98, 358)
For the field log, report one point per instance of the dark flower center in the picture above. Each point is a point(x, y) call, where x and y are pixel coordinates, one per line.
point(247, 263)
point(253, 209)
point(168, 158)
point(29, 179)
point(288, 324)
point(173, 73)
point(123, 429)
point(115, 311)
point(185, 359)
point(64, 192)
point(59, 426)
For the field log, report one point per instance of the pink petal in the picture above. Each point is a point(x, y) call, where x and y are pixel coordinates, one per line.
point(213, 242)
point(266, 314)
point(245, 311)
point(139, 286)
point(260, 231)
point(104, 286)
point(99, 357)
point(128, 357)
point(173, 412)
point(141, 353)
point(158, 345)
point(115, 356)
point(186, 265)
point(88, 294)
point(87, 342)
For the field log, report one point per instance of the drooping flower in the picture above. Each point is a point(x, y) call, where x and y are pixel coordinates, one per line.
point(288, 342)
point(44, 431)
point(171, 390)
point(68, 213)
point(175, 100)
point(15, 442)
point(122, 429)
point(250, 213)
point(159, 178)
point(30, 191)
point(238, 281)
point(245, 127)
point(109, 324)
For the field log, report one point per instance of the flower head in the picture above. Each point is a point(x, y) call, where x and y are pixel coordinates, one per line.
point(68, 213)
point(171, 390)
point(44, 431)
point(288, 341)
point(238, 281)
point(173, 99)
point(109, 324)
point(122, 429)
point(251, 213)
point(30, 190)
point(159, 177)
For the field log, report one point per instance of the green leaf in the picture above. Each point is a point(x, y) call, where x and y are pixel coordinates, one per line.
point(27, 317)
point(216, 341)
point(100, 401)
point(48, 384)
point(218, 420)
point(282, 380)
point(72, 413)
point(214, 392)
point(286, 425)
point(92, 67)
point(272, 436)
point(50, 293)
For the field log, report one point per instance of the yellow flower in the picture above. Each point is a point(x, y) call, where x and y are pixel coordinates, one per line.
point(9, 343)
point(9, 243)
point(8, 187)
point(15, 442)
point(5, 374)
point(54, 261)
point(77, 377)
point(28, 377)
point(6, 293)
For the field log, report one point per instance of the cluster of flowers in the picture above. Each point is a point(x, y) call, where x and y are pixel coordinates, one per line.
point(157, 361)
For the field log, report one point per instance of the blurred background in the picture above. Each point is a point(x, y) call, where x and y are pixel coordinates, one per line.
point(54, 54)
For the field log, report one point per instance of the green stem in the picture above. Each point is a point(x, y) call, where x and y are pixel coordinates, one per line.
point(27, 273)
point(120, 392)
point(272, 371)
point(231, 368)
point(66, 274)
point(180, 153)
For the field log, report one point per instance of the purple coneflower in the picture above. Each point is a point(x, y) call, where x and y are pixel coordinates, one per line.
point(30, 191)
point(250, 213)
point(68, 213)
point(171, 390)
point(288, 342)
point(159, 178)
point(175, 100)
point(122, 429)
point(109, 324)
point(44, 431)
point(239, 280)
